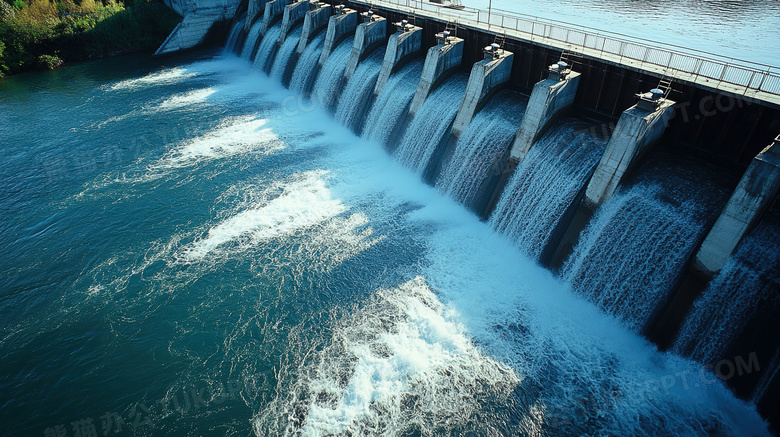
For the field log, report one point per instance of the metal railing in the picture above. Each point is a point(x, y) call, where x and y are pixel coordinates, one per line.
point(675, 61)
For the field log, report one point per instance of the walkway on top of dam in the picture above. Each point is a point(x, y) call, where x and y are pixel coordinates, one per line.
point(728, 75)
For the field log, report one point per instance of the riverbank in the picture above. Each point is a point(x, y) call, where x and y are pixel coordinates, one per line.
point(44, 34)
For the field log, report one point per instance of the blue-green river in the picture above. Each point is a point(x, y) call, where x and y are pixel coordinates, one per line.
point(188, 248)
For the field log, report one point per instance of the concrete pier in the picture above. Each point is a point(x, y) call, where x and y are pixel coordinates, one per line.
point(339, 26)
point(273, 11)
point(369, 34)
point(638, 127)
point(441, 60)
point(292, 15)
point(402, 45)
point(486, 75)
point(756, 190)
point(315, 20)
point(548, 98)
point(254, 8)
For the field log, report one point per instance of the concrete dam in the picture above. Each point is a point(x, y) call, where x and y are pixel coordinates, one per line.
point(645, 178)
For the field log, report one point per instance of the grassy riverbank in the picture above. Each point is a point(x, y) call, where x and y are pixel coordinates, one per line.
point(43, 34)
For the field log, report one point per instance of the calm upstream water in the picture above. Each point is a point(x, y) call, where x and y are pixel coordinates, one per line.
point(748, 29)
point(191, 249)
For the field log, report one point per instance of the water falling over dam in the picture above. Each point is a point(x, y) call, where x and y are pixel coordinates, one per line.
point(358, 95)
point(354, 223)
point(392, 106)
point(630, 255)
point(546, 184)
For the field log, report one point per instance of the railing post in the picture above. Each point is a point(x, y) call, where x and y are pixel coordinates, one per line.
point(764, 78)
point(723, 72)
point(752, 76)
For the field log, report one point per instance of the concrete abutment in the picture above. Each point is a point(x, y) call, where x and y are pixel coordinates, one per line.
point(401, 46)
point(440, 61)
point(638, 128)
point(756, 190)
point(486, 76)
point(255, 8)
point(293, 14)
point(314, 21)
point(369, 35)
point(273, 12)
point(340, 25)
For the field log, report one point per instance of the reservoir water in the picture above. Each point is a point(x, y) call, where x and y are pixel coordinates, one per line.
point(192, 249)
point(748, 30)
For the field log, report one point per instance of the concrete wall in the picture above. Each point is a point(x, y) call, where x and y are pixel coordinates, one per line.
point(273, 11)
point(367, 36)
point(756, 190)
point(255, 8)
point(485, 76)
point(339, 26)
point(548, 98)
point(635, 130)
point(440, 60)
point(293, 14)
point(400, 47)
point(313, 23)
point(199, 16)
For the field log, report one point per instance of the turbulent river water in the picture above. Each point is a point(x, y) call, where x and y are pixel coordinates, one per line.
point(191, 249)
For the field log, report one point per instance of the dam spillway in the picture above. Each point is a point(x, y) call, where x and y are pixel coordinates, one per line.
point(631, 255)
point(241, 262)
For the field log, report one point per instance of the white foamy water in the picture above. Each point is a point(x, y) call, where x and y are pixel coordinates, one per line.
point(401, 359)
point(304, 202)
point(191, 98)
point(465, 336)
point(169, 76)
point(234, 136)
point(180, 74)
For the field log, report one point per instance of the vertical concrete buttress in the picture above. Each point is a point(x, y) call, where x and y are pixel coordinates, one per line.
point(254, 8)
point(485, 76)
point(401, 46)
point(339, 25)
point(313, 22)
point(441, 59)
point(756, 190)
point(293, 14)
point(638, 127)
point(273, 9)
point(367, 36)
point(548, 98)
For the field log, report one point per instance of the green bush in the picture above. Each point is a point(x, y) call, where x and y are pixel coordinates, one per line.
point(48, 62)
point(7, 12)
point(2, 65)
point(19, 4)
point(77, 32)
